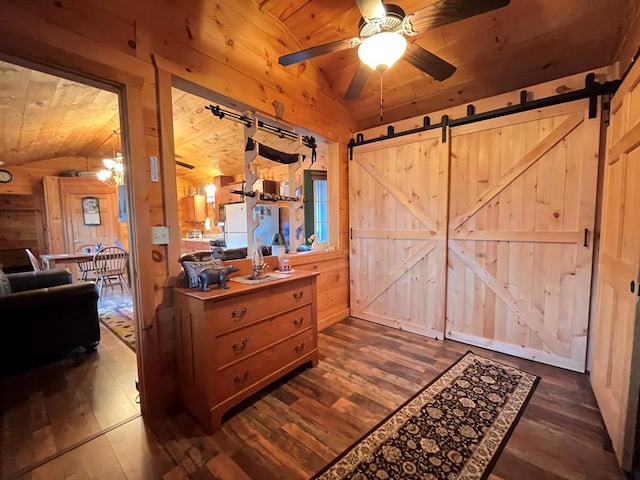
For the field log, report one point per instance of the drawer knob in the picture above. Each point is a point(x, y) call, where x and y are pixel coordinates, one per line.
point(239, 348)
point(241, 379)
point(238, 316)
point(298, 321)
point(299, 348)
point(298, 295)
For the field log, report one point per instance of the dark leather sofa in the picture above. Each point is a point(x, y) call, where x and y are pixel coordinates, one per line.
point(45, 316)
point(218, 252)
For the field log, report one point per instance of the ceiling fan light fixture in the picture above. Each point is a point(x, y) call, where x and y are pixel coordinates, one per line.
point(382, 50)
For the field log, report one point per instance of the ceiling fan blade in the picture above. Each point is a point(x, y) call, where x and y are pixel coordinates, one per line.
point(312, 52)
point(447, 11)
point(185, 165)
point(371, 8)
point(429, 63)
point(357, 82)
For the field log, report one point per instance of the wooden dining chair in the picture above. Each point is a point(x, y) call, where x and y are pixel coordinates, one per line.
point(110, 267)
point(86, 267)
point(35, 263)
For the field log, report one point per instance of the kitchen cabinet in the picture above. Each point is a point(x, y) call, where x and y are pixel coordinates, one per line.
point(227, 197)
point(232, 343)
point(266, 186)
point(194, 208)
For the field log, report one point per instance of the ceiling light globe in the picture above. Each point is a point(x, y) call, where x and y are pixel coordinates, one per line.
point(103, 175)
point(382, 50)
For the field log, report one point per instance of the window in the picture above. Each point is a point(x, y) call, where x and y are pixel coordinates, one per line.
point(316, 218)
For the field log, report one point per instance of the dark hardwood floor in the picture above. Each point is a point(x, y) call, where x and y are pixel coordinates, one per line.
point(50, 409)
point(297, 426)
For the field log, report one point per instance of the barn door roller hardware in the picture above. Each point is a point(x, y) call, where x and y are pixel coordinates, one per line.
point(592, 90)
point(307, 140)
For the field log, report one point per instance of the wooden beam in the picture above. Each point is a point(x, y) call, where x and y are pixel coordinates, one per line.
point(167, 156)
point(529, 318)
point(531, 157)
point(396, 234)
point(515, 236)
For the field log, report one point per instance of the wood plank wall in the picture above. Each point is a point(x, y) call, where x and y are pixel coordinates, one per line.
point(209, 45)
point(20, 228)
point(22, 216)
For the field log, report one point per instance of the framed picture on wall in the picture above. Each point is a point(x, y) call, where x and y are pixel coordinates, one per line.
point(91, 210)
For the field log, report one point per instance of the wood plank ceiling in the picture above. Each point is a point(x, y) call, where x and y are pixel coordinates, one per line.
point(43, 117)
point(527, 42)
point(216, 146)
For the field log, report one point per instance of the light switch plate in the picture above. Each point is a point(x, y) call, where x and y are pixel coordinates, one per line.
point(159, 235)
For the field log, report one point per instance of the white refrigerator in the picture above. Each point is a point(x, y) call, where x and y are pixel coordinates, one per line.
point(235, 224)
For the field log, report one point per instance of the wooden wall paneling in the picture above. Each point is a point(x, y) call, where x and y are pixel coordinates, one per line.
point(73, 37)
point(204, 70)
point(398, 189)
point(38, 205)
point(615, 376)
point(76, 233)
point(332, 283)
point(519, 293)
point(53, 214)
point(535, 91)
point(155, 391)
point(167, 156)
point(630, 39)
point(20, 216)
point(337, 195)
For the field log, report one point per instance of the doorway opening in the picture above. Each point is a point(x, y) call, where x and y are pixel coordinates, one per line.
point(65, 200)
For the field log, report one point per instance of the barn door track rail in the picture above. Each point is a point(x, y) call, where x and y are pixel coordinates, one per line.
point(592, 90)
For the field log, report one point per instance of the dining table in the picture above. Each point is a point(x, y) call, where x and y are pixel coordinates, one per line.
point(50, 261)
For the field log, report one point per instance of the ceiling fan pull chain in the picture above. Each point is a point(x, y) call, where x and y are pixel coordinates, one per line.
point(381, 103)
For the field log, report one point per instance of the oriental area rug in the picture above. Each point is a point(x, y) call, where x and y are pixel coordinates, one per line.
point(452, 429)
point(120, 321)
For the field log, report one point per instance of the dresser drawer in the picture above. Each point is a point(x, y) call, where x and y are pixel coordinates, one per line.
point(243, 375)
point(242, 343)
point(237, 312)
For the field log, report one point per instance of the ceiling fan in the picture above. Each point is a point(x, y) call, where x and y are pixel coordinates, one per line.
point(381, 41)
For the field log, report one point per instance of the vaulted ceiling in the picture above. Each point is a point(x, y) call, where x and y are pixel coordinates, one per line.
point(524, 43)
point(44, 117)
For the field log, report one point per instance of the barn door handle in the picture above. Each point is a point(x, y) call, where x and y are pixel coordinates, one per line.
point(586, 237)
point(633, 286)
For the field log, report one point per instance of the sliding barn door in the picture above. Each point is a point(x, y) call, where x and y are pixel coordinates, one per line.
point(521, 218)
point(398, 213)
point(615, 375)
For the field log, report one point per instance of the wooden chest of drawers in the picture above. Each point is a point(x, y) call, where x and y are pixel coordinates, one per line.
point(232, 343)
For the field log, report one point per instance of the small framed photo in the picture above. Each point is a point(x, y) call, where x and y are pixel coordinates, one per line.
point(91, 211)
